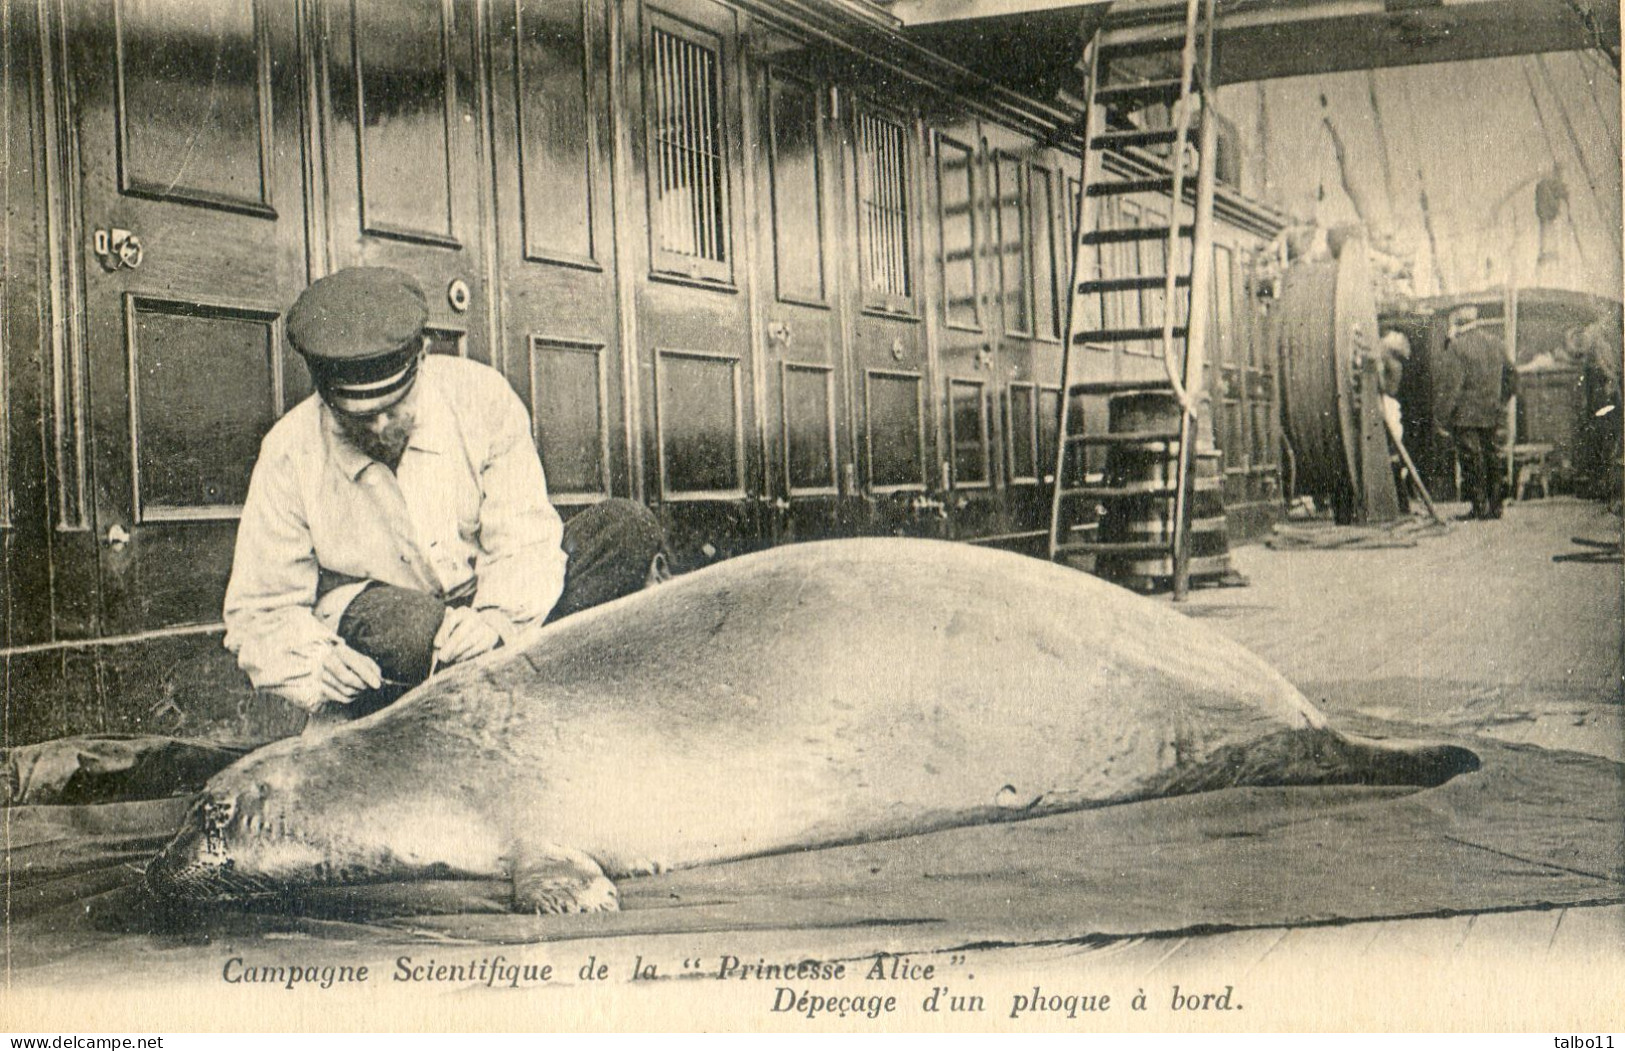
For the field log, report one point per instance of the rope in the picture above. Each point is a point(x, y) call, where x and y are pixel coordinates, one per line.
point(1422, 193)
point(1327, 536)
point(1574, 145)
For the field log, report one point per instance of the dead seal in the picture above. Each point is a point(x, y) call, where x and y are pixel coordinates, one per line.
point(804, 697)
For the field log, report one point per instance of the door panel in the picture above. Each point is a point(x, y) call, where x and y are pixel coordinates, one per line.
point(404, 151)
point(191, 190)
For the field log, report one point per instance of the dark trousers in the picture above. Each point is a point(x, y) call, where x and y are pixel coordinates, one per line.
point(1480, 458)
point(611, 548)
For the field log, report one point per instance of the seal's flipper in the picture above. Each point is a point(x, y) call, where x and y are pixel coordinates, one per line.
point(553, 879)
point(626, 866)
point(1318, 757)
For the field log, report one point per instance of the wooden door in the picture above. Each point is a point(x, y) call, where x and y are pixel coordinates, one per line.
point(187, 129)
point(406, 182)
point(697, 364)
point(899, 472)
point(810, 462)
point(555, 240)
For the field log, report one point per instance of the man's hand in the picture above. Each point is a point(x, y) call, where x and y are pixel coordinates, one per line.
point(464, 634)
point(344, 674)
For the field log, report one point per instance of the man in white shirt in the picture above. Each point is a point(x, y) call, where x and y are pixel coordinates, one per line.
point(397, 521)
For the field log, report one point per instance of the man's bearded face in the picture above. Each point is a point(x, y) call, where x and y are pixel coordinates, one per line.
point(382, 435)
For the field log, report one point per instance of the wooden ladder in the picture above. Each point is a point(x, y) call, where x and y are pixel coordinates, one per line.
point(1107, 129)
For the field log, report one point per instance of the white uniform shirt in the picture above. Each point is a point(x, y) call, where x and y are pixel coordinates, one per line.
point(464, 514)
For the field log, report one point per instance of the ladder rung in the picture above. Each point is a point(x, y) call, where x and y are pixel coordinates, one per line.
point(1133, 96)
point(1124, 335)
point(1124, 438)
point(1132, 233)
point(1122, 140)
point(1119, 386)
point(1149, 45)
point(1148, 283)
point(1158, 184)
point(1106, 547)
point(1135, 491)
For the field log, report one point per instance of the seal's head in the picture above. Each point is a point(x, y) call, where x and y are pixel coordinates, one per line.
point(318, 811)
point(235, 844)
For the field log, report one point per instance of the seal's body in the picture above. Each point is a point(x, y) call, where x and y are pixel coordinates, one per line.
point(806, 696)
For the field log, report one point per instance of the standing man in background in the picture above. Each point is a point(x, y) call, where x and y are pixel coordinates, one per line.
point(398, 520)
point(1393, 353)
point(1473, 390)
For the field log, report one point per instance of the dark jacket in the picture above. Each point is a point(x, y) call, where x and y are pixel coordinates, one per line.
point(1475, 382)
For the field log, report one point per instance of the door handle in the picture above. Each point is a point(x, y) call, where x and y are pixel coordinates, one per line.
point(117, 249)
point(117, 537)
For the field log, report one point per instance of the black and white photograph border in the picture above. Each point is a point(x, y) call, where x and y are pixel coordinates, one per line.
point(540, 515)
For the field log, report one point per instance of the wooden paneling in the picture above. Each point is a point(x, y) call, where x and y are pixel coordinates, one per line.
point(897, 402)
point(959, 233)
point(1014, 250)
point(795, 165)
point(810, 468)
point(27, 341)
point(569, 391)
point(188, 136)
point(554, 107)
point(194, 103)
point(1048, 262)
point(968, 433)
point(194, 443)
point(894, 404)
point(807, 392)
point(1021, 429)
point(1243, 401)
point(701, 424)
point(555, 255)
point(698, 298)
point(1031, 220)
point(405, 165)
point(1049, 427)
point(405, 103)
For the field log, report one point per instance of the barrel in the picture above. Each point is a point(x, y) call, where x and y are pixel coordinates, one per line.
point(1149, 519)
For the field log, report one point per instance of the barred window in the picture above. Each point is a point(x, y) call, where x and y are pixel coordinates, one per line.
point(883, 210)
point(688, 203)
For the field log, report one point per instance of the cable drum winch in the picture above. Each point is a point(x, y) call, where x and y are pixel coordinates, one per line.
point(1322, 326)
